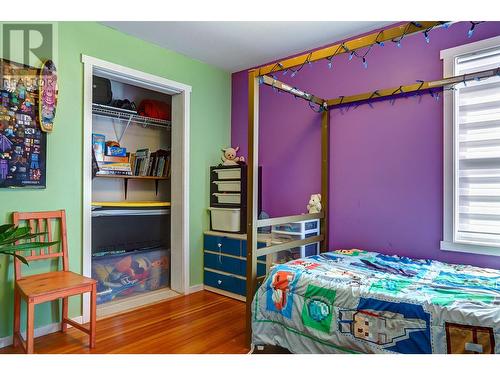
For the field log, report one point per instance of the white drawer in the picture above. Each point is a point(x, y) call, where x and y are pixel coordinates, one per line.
point(228, 186)
point(228, 174)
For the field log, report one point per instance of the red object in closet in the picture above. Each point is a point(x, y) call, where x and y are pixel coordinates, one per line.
point(155, 109)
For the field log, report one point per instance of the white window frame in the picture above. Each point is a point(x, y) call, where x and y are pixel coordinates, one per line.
point(449, 243)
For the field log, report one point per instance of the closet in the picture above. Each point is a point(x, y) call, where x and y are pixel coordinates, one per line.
point(130, 198)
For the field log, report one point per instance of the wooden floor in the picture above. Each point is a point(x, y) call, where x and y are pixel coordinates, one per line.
point(202, 322)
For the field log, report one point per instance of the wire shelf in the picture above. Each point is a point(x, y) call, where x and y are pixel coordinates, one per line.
point(127, 115)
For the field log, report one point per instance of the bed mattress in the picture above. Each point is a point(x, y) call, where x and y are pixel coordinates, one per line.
point(355, 301)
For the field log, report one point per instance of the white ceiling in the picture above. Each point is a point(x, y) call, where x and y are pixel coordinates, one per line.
point(235, 46)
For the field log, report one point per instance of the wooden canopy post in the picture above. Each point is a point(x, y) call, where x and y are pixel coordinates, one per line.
point(325, 176)
point(252, 196)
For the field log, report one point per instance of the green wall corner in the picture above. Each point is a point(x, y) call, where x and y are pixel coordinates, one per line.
point(210, 130)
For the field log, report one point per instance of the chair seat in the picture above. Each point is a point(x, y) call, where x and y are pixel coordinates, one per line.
point(59, 282)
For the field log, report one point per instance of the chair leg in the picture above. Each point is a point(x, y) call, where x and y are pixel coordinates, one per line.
point(92, 316)
point(30, 328)
point(64, 326)
point(17, 317)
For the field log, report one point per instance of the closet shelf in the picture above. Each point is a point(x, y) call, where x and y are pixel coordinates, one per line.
point(129, 116)
point(131, 204)
point(126, 178)
point(132, 177)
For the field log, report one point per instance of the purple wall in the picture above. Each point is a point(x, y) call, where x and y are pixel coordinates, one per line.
point(386, 162)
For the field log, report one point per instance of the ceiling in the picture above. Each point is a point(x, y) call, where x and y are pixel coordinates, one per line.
point(235, 46)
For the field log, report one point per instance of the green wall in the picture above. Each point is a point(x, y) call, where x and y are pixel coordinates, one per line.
point(210, 129)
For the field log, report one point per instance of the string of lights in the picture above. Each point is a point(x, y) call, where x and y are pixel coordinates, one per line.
point(400, 93)
point(363, 56)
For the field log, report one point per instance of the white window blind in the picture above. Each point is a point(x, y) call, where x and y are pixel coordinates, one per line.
point(477, 152)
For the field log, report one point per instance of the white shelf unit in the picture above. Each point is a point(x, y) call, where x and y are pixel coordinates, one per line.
point(295, 231)
point(113, 113)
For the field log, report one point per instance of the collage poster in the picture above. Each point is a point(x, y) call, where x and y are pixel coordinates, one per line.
point(22, 143)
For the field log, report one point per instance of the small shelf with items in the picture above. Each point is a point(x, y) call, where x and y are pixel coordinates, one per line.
point(128, 115)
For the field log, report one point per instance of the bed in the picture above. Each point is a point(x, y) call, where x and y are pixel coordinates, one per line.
point(355, 301)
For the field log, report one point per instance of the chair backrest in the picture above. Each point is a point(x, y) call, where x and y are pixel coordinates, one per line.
point(40, 222)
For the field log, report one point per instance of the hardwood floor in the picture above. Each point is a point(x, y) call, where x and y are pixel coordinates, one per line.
point(201, 322)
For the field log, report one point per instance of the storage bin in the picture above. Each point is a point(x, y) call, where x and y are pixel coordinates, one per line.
point(298, 227)
point(289, 227)
point(228, 173)
point(286, 255)
point(278, 237)
point(132, 272)
point(225, 219)
point(228, 198)
point(228, 185)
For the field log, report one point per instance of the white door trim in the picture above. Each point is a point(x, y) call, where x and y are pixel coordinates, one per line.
point(180, 164)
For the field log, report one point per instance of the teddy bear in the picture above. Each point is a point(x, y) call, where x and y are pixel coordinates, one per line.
point(230, 158)
point(314, 205)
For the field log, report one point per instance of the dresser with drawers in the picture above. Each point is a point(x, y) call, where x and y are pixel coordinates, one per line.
point(225, 264)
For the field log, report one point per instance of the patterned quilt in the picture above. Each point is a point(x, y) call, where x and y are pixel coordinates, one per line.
point(355, 301)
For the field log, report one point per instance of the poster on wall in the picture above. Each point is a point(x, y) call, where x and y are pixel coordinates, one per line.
point(22, 142)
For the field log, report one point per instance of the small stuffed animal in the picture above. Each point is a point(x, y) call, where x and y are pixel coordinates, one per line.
point(314, 205)
point(230, 158)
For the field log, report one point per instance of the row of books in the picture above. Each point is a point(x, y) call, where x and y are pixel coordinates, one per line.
point(139, 163)
point(143, 162)
point(114, 165)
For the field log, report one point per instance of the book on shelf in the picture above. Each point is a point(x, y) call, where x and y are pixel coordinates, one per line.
point(103, 164)
point(131, 160)
point(115, 159)
point(98, 145)
point(163, 167)
point(146, 163)
point(142, 161)
point(113, 166)
point(113, 173)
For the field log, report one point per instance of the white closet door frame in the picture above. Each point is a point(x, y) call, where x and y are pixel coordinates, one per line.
point(181, 95)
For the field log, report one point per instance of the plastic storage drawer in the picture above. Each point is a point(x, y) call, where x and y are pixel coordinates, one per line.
point(225, 219)
point(287, 255)
point(228, 198)
point(228, 173)
point(228, 186)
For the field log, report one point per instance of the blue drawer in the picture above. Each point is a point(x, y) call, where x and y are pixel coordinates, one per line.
point(311, 249)
point(310, 225)
point(231, 265)
point(228, 245)
point(223, 244)
point(226, 264)
point(225, 282)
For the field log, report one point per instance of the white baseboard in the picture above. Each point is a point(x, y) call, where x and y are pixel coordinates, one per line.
point(40, 331)
point(196, 288)
point(130, 303)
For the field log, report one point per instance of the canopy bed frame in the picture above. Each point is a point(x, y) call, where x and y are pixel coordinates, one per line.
point(262, 75)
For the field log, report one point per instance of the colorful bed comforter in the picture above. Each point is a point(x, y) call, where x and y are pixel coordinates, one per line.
point(354, 301)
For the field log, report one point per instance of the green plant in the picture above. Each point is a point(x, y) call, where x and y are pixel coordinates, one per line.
point(13, 239)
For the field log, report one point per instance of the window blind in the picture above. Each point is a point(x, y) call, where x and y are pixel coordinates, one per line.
point(477, 152)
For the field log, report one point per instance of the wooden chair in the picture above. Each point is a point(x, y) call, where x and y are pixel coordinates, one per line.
point(35, 289)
